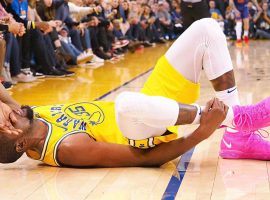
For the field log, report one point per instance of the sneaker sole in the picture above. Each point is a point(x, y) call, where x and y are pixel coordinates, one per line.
point(82, 61)
point(9, 88)
point(39, 77)
point(53, 76)
point(69, 75)
point(233, 154)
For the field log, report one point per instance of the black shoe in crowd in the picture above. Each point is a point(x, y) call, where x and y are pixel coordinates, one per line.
point(38, 75)
point(147, 44)
point(54, 73)
point(67, 72)
point(102, 54)
point(161, 40)
point(7, 85)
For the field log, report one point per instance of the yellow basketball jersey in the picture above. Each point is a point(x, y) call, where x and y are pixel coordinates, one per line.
point(97, 119)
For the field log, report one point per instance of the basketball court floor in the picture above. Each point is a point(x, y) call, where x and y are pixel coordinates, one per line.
point(198, 174)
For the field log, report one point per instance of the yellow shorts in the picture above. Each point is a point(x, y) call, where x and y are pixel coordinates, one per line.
point(167, 82)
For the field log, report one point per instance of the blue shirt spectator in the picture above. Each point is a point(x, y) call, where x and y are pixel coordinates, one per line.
point(20, 7)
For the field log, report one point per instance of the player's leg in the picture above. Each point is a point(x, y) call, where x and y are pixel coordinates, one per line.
point(239, 25)
point(161, 112)
point(246, 30)
point(204, 46)
point(245, 17)
point(238, 30)
point(140, 116)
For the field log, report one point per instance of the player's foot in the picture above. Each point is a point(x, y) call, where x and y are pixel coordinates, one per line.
point(246, 40)
point(244, 145)
point(252, 117)
point(238, 43)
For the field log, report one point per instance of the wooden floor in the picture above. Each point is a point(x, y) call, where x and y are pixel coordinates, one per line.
point(200, 174)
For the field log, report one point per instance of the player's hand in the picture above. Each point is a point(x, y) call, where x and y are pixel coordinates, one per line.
point(7, 119)
point(212, 116)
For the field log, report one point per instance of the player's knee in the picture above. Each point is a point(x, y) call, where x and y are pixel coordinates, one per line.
point(211, 28)
point(122, 102)
point(207, 23)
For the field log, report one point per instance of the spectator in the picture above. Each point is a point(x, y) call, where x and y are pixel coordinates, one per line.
point(149, 24)
point(252, 13)
point(43, 50)
point(78, 57)
point(3, 73)
point(53, 33)
point(262, 21)
point(216, 14)
point(13, 54)
point(177, 18)
point(165, 20)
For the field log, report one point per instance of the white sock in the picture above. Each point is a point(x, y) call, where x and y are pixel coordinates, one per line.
point(246, 33)
point(238, 29)
point(198, 114)
point(229, 97)
point(227, 122)
point(229, 118)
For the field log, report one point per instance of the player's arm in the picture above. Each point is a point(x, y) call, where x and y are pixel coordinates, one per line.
point(6, 98)
point(79, 150)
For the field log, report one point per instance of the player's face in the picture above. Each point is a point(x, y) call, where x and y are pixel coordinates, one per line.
point(24, 121)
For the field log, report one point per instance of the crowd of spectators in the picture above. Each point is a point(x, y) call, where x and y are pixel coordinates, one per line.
point(42, 38)
point(259, 18)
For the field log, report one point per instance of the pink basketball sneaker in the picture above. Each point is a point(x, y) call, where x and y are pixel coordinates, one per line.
point(252, 117)
point(244, 145)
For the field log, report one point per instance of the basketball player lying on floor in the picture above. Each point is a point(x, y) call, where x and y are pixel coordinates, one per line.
point(139, 128)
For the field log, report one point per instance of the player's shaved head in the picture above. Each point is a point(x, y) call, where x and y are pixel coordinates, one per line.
point(28, 111)
point(8, 153)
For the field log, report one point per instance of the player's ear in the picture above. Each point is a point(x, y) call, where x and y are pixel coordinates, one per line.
point(21, 145)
